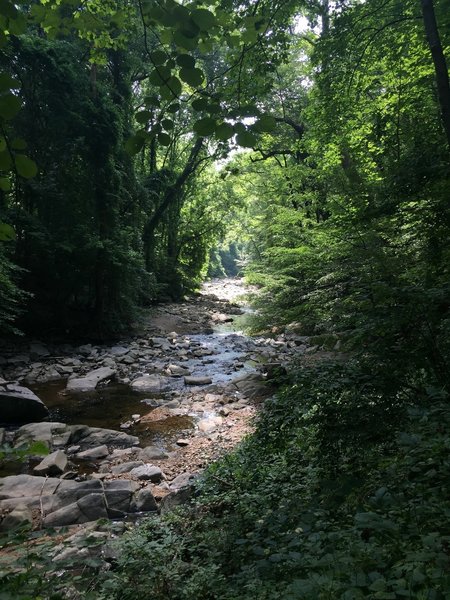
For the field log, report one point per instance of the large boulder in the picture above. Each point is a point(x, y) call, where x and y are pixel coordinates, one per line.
point(62, 502)
point(20, 405)
point(89, 382)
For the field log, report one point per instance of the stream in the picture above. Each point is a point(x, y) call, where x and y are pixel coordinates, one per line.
point(134, 421)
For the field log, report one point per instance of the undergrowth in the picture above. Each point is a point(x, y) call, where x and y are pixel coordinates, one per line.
point(341, 493)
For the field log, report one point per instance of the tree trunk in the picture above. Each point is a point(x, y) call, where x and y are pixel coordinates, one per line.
point(440, 65)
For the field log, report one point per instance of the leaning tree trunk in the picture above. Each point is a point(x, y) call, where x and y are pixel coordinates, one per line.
point(440, 65)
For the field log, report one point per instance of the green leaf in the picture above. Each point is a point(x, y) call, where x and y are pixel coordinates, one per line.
point(204, 19)
point(18, 144)
point(167, 124)
point(5, 160)
point(2, 144)
point(246, 139)
point(185, 60)
point(174, 85)
point(159, 75)
point(7, 233)
point(184, 42)
point(265, 123)
point(200, 104)
point(26, 167)
point(134, 144)
point(9, 106)
point(158, 57)
point(5, 184)
point(152, 101)
point(18, 25)
point(173, 108)
point(214, 109)
point(193, 77)
point(224, 132)
point(143, 116)
point(205, 126)
point(8, 83)
point(164, 139)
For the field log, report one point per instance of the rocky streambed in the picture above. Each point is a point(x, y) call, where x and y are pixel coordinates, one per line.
point(128, 426)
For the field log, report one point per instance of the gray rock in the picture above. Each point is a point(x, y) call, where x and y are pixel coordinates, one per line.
point(145, 501)
point(89, 382)
point(53, 464)
point(119, 495)
point(20, 405)
point(152, 453)
point(119, 350)
point(192, 380)
point(152, 384)
point(19, 516)
point(88, 508)
point(183, 480)
point(147, 473)
point(251, 385)
point(55, 435)
point(177, 371)
point(93, 453)
point(90, 437)
point(25, 486)
point(176, 498)
point(126, 467)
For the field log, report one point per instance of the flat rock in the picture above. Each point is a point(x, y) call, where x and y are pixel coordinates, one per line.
point(152, 384)
point(89, 382)
point(152, 453)
point(93, 453)
point(59, 435)
point(90, 437)
point(147, 472)
point(192, 380)
point(126, 467)
point(20, 405)
point(177, 371)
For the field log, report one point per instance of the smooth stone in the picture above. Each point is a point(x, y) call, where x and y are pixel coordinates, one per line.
point(147, 472)
point(192, 380)
point(19, 404)
point(93, 453)
point(89, 382)
point(152, 384)
point(126, 467)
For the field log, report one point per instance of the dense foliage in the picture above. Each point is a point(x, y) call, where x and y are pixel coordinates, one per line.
point(338, 211)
